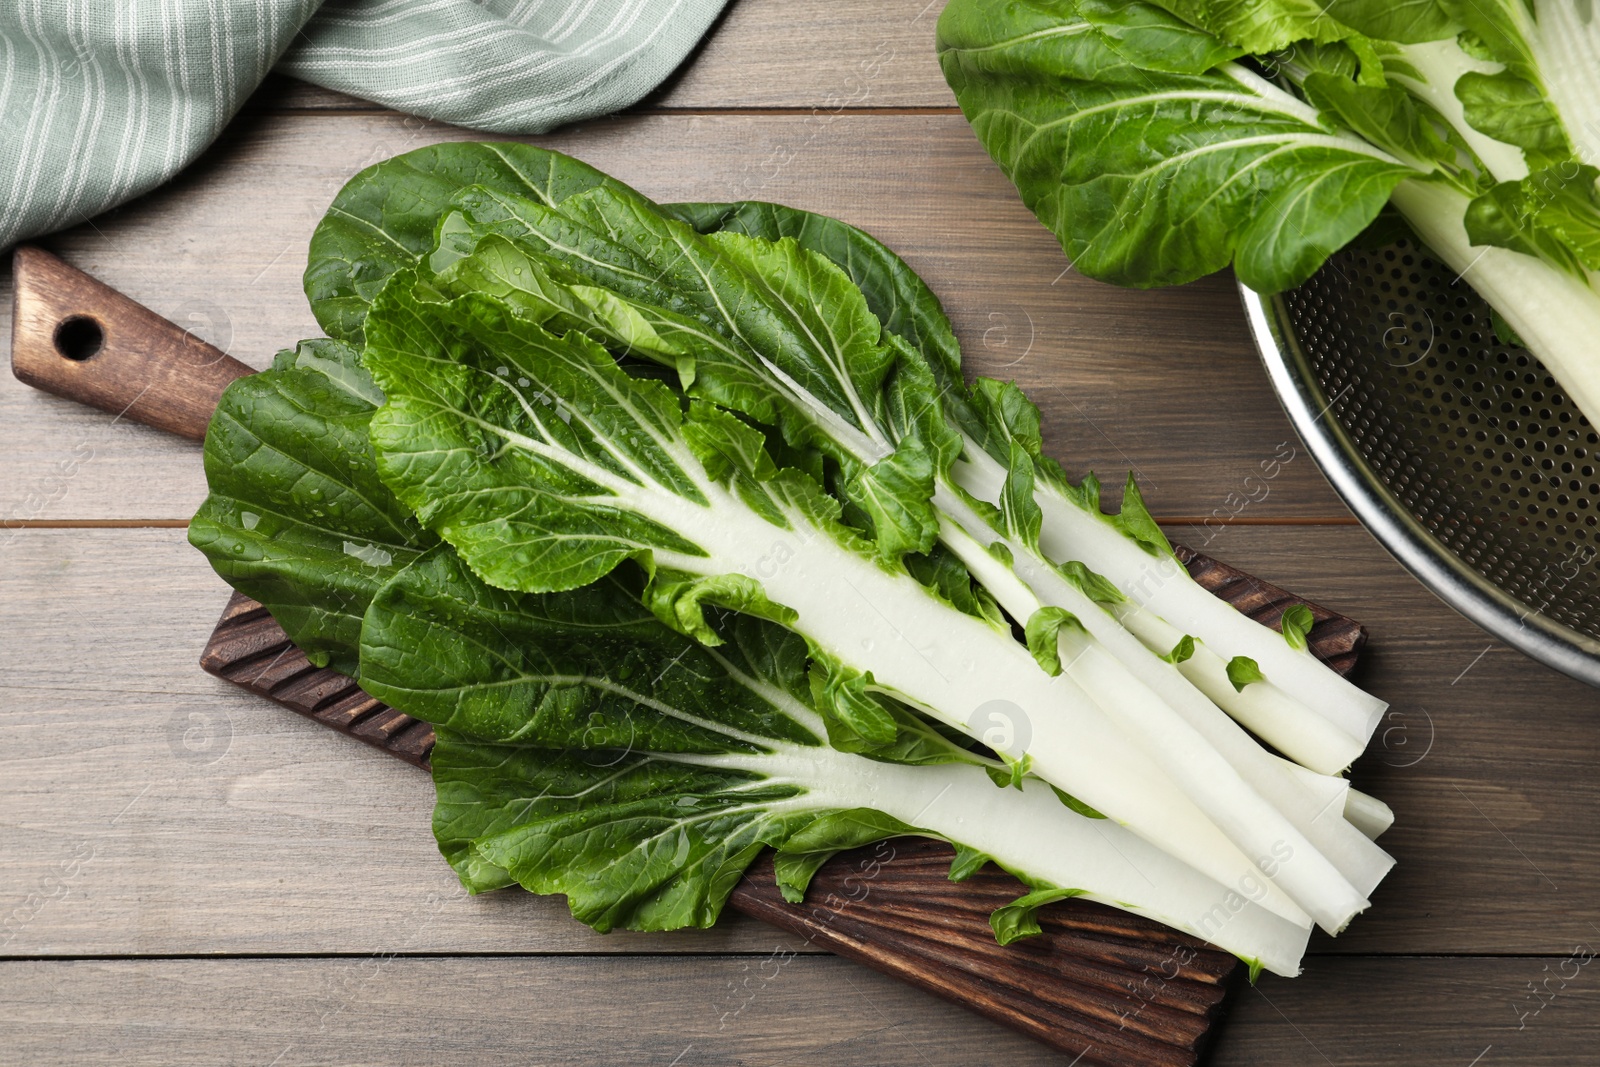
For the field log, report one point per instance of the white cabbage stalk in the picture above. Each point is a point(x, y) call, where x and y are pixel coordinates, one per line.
point(1117, 673)
point(1556, 313)
point(1326, 865)
point(1163, 587)
point(952, 666)
point(1029, 832)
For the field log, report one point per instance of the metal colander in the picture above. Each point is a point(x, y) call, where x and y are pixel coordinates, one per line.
point(1459, 453)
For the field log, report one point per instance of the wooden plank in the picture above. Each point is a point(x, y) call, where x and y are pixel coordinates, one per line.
point(202, 818)
point(815, 54)
point(767, 53)
point(286, 839)
point(1418, 1012)
point(1125, 378)
point(767, 1010)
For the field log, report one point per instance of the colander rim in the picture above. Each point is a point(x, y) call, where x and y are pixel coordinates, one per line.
point(1396, 528)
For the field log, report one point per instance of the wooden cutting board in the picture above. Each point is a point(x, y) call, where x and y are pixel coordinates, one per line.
point(1108, 988)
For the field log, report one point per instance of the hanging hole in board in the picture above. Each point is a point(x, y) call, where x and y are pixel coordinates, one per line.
point(79, 338)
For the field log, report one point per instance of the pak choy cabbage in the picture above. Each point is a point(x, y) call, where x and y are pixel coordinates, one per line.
point(682, 527)
point(1163, 141)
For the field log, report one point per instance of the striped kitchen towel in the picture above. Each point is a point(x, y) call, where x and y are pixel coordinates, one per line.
point(102, 100)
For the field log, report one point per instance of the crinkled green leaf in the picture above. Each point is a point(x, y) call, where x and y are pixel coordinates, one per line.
point(1153, 39)
point(945, 576)
point(542, 290)
point(1153, 178)
point(680, 601)
point(1401, 21)
point(1569, 207)
point(1502, 216)
point(1007, 416)
point(1386, 116)
point(1096, 587)
point(1273, 25)
point(896, 495)
point(1305, 58)
point(636, 842)
point(907, 309)
point(858, 720)
point(1086, 494)
point(895, 293)
point(1261, 25)
point(386, 217)
point(808, 848)
point(734, 454)
point(1554, 213)
point(577, 669)
point(512, 443)
point(297, 517)
point(1076, 805)
point(1512, 109)
point(773, 301)
point(1020, 516)
point(770, 329)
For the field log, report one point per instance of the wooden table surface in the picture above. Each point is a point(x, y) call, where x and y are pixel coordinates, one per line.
point(191, 875)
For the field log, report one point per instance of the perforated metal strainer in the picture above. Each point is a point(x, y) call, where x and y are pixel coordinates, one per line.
point(1459, 453)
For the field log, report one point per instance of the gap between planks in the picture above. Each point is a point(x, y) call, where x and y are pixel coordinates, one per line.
point(94, 524)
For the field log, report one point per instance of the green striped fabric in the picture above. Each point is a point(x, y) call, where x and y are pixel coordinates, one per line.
point(102, 100)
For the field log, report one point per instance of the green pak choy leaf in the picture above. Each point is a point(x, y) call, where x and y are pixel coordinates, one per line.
point(632, 840)
point(1043, 630)
point(1135, 520)
point(585, 749)
point(1514, 110)
point(1554, 214)
point(297, 517)
point(1296, 623)
point(441, 200)
point(1019, 919)
point(770, 330)
point(803, 854)
point(1386, 116)
point(386, 216)
point(1154, 178)
point(521, 448)
point(1242, 670)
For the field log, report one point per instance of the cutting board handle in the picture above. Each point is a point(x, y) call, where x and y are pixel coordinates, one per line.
point(81, 339)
